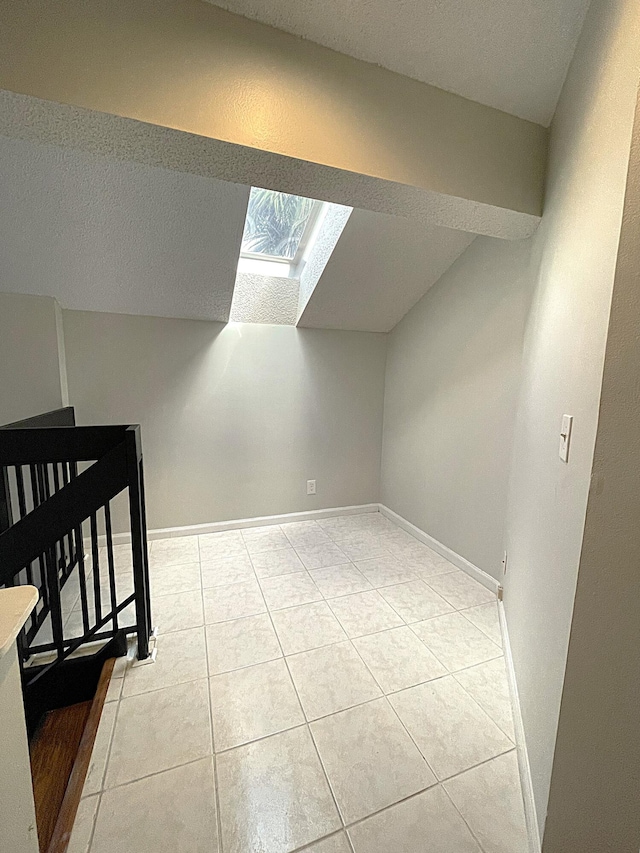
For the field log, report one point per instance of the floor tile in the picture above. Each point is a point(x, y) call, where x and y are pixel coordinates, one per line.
point(362, 546)
point(181, 657)
point(122, 556)
point(301, 533)
point(384, 571)
point(83, 825)
point(376, 522)
point(173, 551)
point(331, 679)
point(233, 601)
point(370, 760)
point(460, 590)
point(397, 536)
point(98, 763)
point(321, 556)
point(270, 564)
point(488, 685)
point(170, 811)
point(140, 745)
point(289, 590)
point(398, 659)
point(167, 580)
point(268, 538)
point(235, 568)
point(450, 728)
point(364, 613)
point(177, 612)
point(415, 601)
point(114, 690)
point(427, 823)
point(455, 641)
point(241, 642)
point(252, 703)
point(334, 844)
point(489, 799)
point(273, 795)
point(485, 617)
point(424, 560)
point(224, 544)
point(340, 580)
point(307, 627)
point(339, 527)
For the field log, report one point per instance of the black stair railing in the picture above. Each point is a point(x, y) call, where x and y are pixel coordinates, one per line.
point(57, 484)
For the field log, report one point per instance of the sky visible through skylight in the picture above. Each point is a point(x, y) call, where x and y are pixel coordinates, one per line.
point(275, 224)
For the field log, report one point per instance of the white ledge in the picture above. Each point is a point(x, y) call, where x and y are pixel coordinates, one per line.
point(16, 604)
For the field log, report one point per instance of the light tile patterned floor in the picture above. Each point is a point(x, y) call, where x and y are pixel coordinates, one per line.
point(330, 686)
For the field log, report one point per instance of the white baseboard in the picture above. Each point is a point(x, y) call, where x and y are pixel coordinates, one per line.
point(524, 768)
point(463, 564)
point(239, 523)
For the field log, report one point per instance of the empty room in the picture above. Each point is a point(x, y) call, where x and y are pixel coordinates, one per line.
point(319, 406)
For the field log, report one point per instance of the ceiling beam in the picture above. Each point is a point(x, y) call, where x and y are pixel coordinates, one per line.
point(190, 86)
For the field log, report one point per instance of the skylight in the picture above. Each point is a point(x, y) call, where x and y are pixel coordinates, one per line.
point(278, 227)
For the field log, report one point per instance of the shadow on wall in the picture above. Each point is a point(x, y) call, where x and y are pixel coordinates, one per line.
point(234, 418)
point(452, 379)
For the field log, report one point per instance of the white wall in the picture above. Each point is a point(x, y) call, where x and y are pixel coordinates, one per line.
point(265, 299)
point(595, 784)
point(451, 390)
point(574, 253)
point(102, 234)
point(434, 413)
point(235, 418)
point(253, 105)
point(32, 369)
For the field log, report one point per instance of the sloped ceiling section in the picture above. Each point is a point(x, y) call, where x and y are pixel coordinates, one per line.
point(381, 266)
point(508, 54)
point(101, 234)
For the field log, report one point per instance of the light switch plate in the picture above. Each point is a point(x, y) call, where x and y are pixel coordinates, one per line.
point(565, 437)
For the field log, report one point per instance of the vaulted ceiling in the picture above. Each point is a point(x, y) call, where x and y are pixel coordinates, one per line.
point(136, 212)
point(101, 234)
point(509, 54)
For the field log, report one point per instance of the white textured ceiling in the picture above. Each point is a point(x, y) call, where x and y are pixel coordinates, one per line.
point(101, 234)
point(381, 266)
point(509, 54)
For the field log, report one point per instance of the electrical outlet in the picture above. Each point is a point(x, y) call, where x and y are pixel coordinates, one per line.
point(311, 487)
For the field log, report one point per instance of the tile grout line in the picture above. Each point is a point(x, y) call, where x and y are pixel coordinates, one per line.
point(484, 711)
point(448, 673)
point(462, 817)
point(348, 639)
point(306, 722)
point(216, 797)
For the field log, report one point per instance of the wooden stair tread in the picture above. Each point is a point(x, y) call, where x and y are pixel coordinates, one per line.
point(53, 753)
point(60, 756)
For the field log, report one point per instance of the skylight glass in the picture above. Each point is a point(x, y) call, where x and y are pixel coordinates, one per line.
point(277, 224)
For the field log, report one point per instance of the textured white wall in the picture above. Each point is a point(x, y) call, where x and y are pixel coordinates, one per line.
point(32, 370)
point(511, 55)
point(264, 299)
point(595, 785)
point(574, 257)
point(379, 269)
point(452, 375)
point(235, 418)
point(102, 234)
point(332, 228)
point(313, 122)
